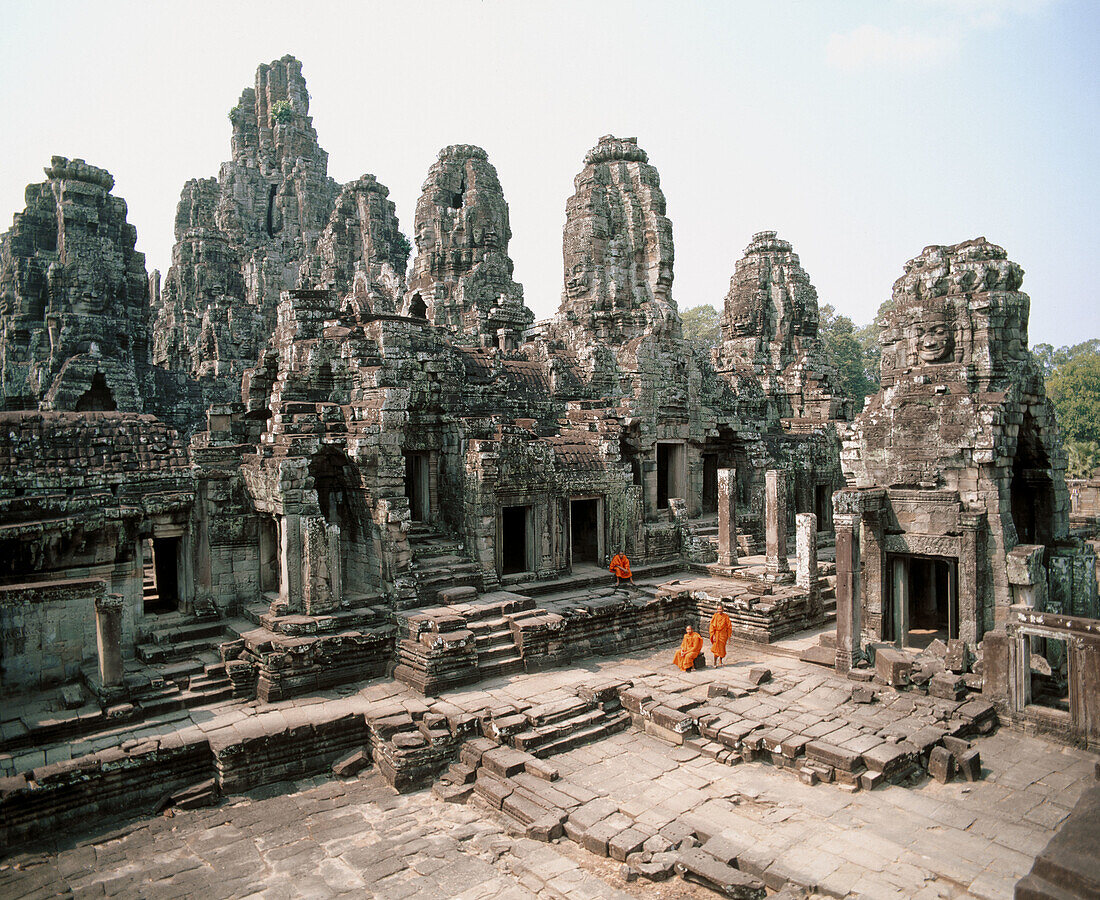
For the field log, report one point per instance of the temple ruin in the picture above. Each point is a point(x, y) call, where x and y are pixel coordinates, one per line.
point(319, 456)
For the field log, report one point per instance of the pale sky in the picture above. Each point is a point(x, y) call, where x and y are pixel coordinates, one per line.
point(862, 131)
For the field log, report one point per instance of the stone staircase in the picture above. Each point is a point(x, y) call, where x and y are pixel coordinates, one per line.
point(439, 562)
point(558, 726)
point(184, 666)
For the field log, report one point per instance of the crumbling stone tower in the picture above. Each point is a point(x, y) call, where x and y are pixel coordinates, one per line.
point(241, 238)
point(770, 334)
point(617, 249)
point(955, 462)
point(74, 315)
point(462, 275)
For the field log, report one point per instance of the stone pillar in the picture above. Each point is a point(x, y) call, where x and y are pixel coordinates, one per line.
point(806, 566)
point(108, 639)
point(290, 562)
point(847, 589)
point(775, 526)
point(727, 517)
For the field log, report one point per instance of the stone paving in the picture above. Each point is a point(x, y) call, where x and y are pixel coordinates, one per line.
point(326, 838)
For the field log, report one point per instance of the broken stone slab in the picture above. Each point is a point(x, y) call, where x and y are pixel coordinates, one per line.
point(597, 838)
point(696, 865)
point(759, 674)
point(452, 793)
point(545, 829)
point(626, 842)
point(834, 756)
point(957, 659)
point(659, 868)
point(725, 849)
point(969, 764)
point(863, 693)
point(889, 759)
point(352, 764)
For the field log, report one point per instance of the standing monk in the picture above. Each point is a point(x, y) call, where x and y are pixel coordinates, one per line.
point(720, 630)
point(690, 647)
point(620, 568)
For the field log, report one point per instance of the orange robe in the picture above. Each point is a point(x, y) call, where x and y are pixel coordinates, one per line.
point(620, 566)
point(720, 630)
point(690, 647)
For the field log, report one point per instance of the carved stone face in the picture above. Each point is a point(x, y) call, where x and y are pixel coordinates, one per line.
point(935, 340)
point(577, 280)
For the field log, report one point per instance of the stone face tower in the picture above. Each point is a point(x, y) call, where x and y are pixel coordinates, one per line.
point(770, 332)
point(241, 238)
point(617, 249)
point(462, 276)
point(74, 326)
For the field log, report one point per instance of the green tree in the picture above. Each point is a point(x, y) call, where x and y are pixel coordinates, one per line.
point(1074, 388)
point(701, 325)
point(282, 111)
point(1082, 458)
point(843, 349)
point(1050, 359)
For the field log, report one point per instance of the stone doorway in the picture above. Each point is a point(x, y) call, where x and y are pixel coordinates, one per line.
point(417, 486)
point(823, 507)
point(1032, 489)
point(670, 473)
point(925, 600)
point(160, 575)
point(269, 556)
point(585, 534)
point(515, 542)
point(709, 500)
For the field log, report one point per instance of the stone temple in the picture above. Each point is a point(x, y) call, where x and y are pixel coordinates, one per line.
point(328, 513)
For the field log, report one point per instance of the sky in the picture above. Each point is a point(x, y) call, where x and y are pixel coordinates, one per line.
point(861, 130)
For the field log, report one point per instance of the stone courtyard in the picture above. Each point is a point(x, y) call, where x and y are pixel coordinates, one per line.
point(325, 835)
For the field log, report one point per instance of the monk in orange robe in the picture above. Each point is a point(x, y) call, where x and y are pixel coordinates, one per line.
point(690, 647)
point(620, 568)
point(720, 630)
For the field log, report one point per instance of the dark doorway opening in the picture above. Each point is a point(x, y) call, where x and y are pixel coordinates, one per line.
point(670, 473)
point(823, 505)
point(417, 487)
point(98, 397)
point(584, 531)
point(1032, 490)
point(513, 539)
point(710, 483)
point(418, 309)
point(160, 576)
point(269, 556)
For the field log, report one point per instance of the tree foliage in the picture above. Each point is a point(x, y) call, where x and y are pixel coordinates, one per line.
point(1074, 388)
point(1050, 359)
point(851, 352)
point(701, 326)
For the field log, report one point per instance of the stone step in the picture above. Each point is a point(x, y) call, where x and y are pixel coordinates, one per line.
point(160, 653)
point(615, 722)
point(186, 632)
point(496, 654)
point(511, 666)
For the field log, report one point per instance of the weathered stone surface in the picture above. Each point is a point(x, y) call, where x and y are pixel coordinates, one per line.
point(462, 275)
point(74, 309)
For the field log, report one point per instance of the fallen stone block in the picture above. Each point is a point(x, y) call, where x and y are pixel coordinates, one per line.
point(947, 686)
point(941, 764)
point(889, 759)
point(760, 674)
point(449, 792)
point(969, 764)
point(695, 865)
point(870, 780)
point(504, 761)
point(892, 666)
point(660, 868)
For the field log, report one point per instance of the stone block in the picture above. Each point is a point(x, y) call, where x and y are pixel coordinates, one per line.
point(834, 756)
point(625, 843)
point(892, 666)
point(863, 693)
point(969, 764)
point(759, 674)
point(947, 686)
point(941, 764)
point(697, 865)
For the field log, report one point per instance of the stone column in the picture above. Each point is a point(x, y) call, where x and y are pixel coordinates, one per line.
point(108, 639)
point(775, 526)
point(847, 589)
point(290, 562)
point(806, 552)
point(727, 517)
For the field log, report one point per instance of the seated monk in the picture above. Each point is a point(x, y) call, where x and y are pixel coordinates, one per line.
point(690, 647)
point(720, 630)
point(620, 568)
